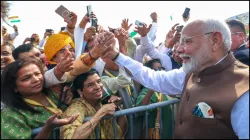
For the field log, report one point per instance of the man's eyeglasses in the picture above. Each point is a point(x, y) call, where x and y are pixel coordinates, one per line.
point(184, 41)
point(236, 33)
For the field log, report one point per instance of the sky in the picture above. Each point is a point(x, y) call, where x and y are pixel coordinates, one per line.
point(36, 16)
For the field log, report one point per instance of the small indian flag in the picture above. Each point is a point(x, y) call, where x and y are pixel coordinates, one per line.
point(14, 19)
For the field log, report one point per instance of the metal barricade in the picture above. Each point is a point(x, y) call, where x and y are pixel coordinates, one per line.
point(128, 112)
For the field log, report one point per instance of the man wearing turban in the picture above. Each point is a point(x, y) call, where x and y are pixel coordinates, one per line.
point(60, 45)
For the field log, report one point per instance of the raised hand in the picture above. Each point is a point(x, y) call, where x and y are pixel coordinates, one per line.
point(125, 25)
point(99, 29)
point(71, 23)
point(46, 34)
point(91, 31)
point(85, 20)
point(54, 122)
point(104, 42)
point(66, 63)
point(143, 31)
point(170, 36)
point(120, 33)
point(15, 28)
point(154, 16)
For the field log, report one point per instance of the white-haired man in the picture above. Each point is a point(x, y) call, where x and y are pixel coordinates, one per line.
point(214, 85)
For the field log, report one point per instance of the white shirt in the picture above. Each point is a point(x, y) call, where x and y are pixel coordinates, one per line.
point(50, 78)
point(139, 53)
point(172, 82)
point(152, 32)
point(163, 49)
point(78, 36)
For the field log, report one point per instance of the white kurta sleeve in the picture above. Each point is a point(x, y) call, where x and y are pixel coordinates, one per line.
point(171, 82)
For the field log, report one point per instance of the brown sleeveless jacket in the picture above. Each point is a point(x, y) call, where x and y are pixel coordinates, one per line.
point(219, 86)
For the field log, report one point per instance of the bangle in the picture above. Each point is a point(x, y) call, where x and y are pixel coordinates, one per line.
point(87, 61)
point(92, 57)
point(91, 125)
point(115, 57)
point(70, 27)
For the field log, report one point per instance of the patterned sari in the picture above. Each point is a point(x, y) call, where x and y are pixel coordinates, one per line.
point(85, 109)
point(18, 124)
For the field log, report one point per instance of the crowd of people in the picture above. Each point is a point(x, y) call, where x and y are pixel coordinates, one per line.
point(61, 79)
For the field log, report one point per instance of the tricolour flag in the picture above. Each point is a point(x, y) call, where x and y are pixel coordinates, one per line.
point(14, 19)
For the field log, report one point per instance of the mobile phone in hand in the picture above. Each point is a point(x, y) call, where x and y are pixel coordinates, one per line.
point(89, 10)
point(138, 23)
point(179, 28)
point(94, 22)
point(186, 12)
point(64, 13)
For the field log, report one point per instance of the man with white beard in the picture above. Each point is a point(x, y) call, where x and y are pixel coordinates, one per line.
point(213, 84)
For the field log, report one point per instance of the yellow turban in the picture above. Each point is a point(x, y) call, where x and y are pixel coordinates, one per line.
point(55, 43)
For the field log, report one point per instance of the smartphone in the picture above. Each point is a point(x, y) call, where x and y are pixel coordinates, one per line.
point(49, 30)
point(179, 28)
point(94, 22)
point(89, 10)
point(186, 12)
point(64, 13)
point(138, 23)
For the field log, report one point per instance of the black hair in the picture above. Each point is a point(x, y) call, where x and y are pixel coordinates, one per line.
point(78, 83)
point(22, 49)
point(12, 47)
point(150, 63)
point(237, 23)
point(9, 96)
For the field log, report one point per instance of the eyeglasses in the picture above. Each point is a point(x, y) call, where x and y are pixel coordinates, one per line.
point(184, 41)
point(236, 33)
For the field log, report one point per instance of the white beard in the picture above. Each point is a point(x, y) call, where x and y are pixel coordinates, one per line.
point(202, 56)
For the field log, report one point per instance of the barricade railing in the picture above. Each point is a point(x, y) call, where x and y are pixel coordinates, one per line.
point(130, 111)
